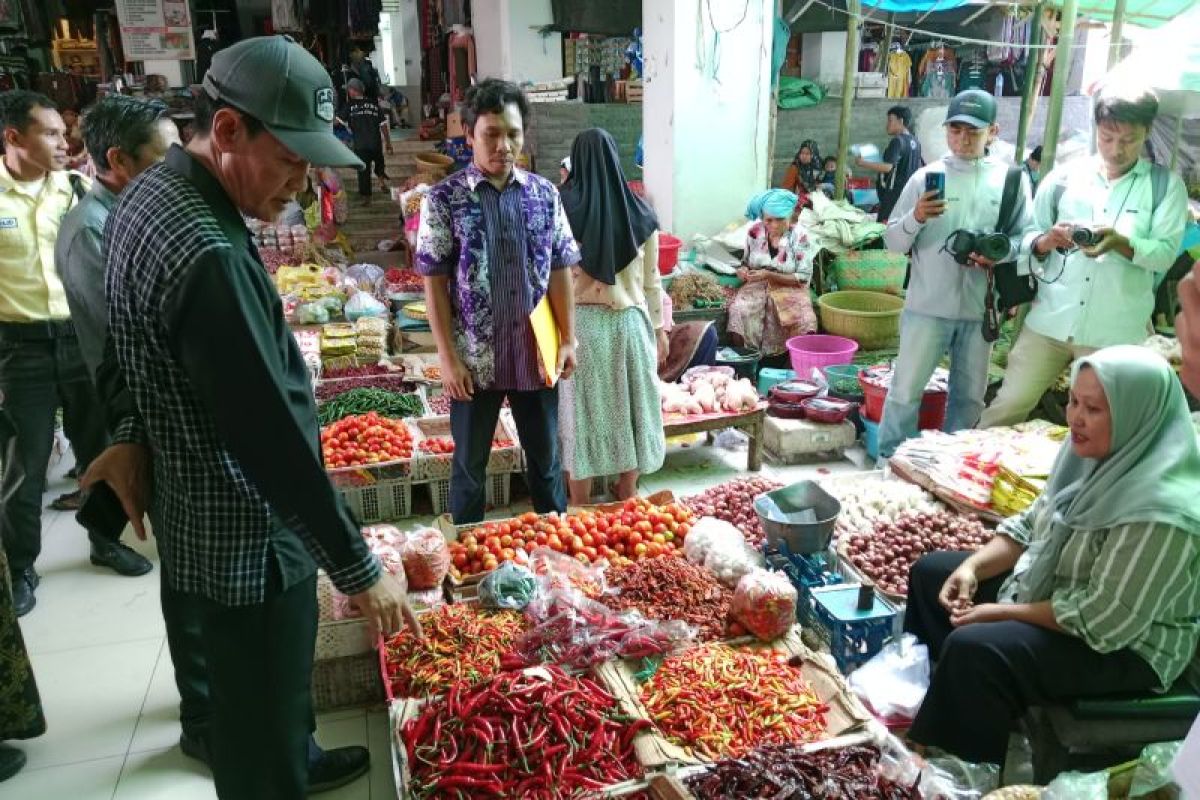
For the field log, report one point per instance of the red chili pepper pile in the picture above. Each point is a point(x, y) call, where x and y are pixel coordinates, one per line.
point(723, 701)
point(535, 734)
point(673, 588)
point(461, 644)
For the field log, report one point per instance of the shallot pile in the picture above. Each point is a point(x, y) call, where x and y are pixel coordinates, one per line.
point(887, 554)
point(734, 503)
point(707, 390)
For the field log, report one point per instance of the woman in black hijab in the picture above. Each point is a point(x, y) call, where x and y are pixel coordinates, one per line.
point(610, 420)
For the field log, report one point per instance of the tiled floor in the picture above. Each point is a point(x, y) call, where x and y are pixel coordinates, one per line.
point(102, 666)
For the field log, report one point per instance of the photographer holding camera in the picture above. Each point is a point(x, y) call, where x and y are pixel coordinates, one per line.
point(959, 217)
point(1108, 226)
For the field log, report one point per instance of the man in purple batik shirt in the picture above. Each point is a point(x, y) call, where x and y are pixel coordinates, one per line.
point(493, 241)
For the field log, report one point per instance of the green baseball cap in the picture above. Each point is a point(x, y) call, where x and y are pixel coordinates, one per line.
point(974, 107)
point(275, 80)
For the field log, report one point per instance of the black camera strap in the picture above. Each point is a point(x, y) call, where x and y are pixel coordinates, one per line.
point(1005, 288)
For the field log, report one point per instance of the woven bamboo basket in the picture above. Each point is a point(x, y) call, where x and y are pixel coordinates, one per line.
point(870, 318)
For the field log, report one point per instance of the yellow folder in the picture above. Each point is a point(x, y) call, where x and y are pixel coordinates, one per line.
point(545, 333)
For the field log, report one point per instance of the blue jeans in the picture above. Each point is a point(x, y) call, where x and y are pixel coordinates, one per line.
point(923, 342)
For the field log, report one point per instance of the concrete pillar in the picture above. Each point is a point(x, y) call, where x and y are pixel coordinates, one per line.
point(706, 111)
point(508, 43)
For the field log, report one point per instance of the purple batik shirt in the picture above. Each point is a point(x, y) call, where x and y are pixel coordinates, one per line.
point(498, 248)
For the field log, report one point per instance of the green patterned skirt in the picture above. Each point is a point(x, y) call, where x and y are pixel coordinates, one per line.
point(20, 707)
point(609, 413)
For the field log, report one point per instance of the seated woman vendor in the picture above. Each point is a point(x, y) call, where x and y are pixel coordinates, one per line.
point(1095, 590)
point(773, 303)
point(806, 172)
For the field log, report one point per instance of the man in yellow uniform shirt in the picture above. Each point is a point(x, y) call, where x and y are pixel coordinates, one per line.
point(41, 368)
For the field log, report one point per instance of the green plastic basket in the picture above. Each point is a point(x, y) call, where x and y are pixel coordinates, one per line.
point(843, 379)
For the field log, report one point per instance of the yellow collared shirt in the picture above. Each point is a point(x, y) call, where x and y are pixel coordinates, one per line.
point(30, 289)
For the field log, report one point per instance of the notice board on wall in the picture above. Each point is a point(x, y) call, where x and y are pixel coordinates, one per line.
point(156, 30)
point(611, 18)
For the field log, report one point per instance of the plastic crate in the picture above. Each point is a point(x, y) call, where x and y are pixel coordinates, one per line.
point(499, 487)
point(438, 466)
point(386, 500)
point(853, 636)
point(342, 638)
point(348, 682)
point(806, 572)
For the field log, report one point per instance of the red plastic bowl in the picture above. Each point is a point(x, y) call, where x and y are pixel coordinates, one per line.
point(829, 410)
point(793, 391)
point(776, 408)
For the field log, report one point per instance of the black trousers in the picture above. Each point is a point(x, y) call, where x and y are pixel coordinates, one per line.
point(987, 675)
point(41, 369)
point(369, 157)
point(473, 425)
point(183, 615)
point(259, 660)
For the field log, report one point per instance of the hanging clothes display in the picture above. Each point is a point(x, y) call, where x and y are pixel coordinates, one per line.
point(939, 72)
point(285, 16)
point(868, 57)
point(974, 71)
point(899, 72)
point(461, 63)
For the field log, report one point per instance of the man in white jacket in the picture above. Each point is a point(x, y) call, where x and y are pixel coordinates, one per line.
point(1095, 292)
point(944, 308)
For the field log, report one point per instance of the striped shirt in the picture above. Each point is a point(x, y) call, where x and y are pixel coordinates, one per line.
point(498, 249)
point(1134, 586)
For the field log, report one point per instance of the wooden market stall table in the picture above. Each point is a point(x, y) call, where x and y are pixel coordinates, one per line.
point(749, 423)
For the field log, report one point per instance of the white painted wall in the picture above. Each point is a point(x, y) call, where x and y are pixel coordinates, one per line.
point(507, 44)
point(410, 34)
point(706, 112)
point(535, 57)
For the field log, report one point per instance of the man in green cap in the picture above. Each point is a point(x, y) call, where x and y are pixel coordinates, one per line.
point(944, 309)
point(219, 394)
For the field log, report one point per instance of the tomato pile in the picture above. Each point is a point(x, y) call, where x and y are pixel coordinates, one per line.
point(444, 445)
point(364, 439)
point(637, 530)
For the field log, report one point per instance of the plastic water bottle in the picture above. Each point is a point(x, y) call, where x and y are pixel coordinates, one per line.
point(1000, 85)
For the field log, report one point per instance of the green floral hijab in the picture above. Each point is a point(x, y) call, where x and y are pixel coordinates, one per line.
point(1152, 473)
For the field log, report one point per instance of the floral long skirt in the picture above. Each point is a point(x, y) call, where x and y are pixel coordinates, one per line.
point(766, 318)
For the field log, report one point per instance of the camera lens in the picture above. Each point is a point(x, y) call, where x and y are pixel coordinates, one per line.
point(1083, 237)
point(993, 246)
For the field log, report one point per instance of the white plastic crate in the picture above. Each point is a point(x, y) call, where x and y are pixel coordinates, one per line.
point(499, 488)
point(438, 466)
point(385, 500)
point(342, 638)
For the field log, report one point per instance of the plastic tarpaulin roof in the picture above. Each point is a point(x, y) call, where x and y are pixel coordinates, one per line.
point(1147, 13)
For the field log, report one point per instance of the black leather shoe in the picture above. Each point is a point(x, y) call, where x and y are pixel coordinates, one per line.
point(337, 767)
point(118, 557)
point(195, 746)
point(11, 761)
point(23, 584)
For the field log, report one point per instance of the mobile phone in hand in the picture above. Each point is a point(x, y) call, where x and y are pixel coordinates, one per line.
point(936, 182)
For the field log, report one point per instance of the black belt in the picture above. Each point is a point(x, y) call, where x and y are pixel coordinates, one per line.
point(37, 331)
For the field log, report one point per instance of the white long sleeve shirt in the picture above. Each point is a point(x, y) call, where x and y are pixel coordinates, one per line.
point(939, 286)
point(1108, 300)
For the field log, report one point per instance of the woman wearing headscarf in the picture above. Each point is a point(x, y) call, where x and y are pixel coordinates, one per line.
point(806, 172)
point(1094, 590)
point(610, 420)
point(773, 303)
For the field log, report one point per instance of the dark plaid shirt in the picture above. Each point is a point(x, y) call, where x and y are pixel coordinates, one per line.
point(222, 396)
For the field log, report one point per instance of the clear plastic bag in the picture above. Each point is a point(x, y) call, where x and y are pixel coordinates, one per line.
point(894, 682)
point(557, 571)
point(722, 548)
point(364, 304)
point(1078, 786)
point(574, 631)
point(508, 586)
point(1153, 771)
point(939, 778)
point(765, 603)
point(426, 558)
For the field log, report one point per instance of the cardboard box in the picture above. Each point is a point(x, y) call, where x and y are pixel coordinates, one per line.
point(454, 125)
point(846, 713)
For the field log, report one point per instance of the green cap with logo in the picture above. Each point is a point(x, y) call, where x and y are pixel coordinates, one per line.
point(973, 107)
point(276, 81)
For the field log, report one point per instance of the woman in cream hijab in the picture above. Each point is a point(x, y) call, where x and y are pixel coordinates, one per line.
point(1094, 590)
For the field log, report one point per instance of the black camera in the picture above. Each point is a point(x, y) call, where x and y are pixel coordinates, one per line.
point(989, 244)
point(1084, 237)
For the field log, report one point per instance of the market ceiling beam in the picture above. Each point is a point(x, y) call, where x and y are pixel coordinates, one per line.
point(1058, 87)
point(799, 12)
point(976, 15)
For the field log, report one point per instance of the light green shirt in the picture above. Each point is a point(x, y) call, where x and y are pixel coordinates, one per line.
point(1133, 586)
point(1099, 302)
